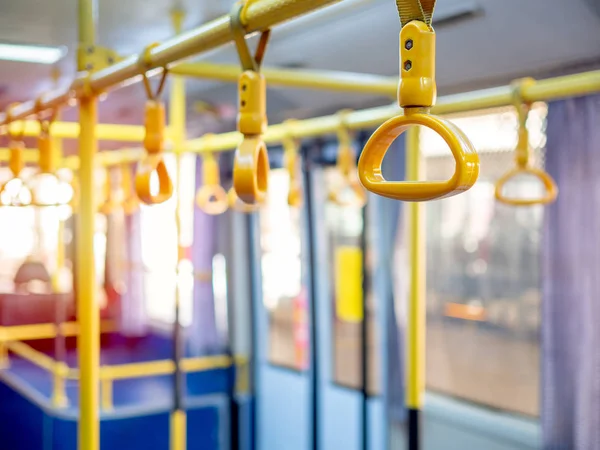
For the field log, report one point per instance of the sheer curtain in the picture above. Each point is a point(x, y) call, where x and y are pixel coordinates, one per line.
point(571, 279)
point(204, 336)
point(134, 317)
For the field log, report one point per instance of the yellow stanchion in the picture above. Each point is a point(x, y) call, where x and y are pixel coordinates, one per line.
point(415, 375)
point(88, 309)
point(177, 108)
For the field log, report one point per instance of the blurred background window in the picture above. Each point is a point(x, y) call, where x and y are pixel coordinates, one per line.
point(483, 269)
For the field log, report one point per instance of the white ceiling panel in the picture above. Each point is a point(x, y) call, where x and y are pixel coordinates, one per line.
point(509, 38)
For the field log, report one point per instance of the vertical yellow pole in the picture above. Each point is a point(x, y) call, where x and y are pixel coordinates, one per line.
point(87, 305)
point(415, 380)
point(88, 342)
point(177, 126)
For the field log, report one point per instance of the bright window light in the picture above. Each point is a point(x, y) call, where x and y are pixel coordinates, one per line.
point(31, 53)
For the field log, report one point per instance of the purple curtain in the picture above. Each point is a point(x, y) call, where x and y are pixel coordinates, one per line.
point(203, 334)
point(571, 279)
point(133, 301)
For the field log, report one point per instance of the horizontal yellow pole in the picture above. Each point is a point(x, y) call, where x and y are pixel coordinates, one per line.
point(308, 79)
point(137, 370)
point(205, 363)
point(544, 90)
point(106, 132)
point(45, 331)
point(30, 354)
point(259, 15)
point(163, 367)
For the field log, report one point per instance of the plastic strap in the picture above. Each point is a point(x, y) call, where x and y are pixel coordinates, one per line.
point(146, 61)
point(248, 61)
point(409, 10)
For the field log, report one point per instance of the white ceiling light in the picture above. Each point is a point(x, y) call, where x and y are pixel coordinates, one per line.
point(39, 54)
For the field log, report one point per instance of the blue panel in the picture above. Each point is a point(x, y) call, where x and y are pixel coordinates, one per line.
point(341, 418)
point(246, 426)
point(21, 422)
point(203, 430)
point(283, 397)
point(136, 432)
point(378, 436)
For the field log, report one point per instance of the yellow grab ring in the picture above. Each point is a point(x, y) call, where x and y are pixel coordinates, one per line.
point(522, 157)
point(351, 193)
point(371, 159)
point(153, 164)
point(543, 176)
point(237, 205)
point(212, 199)
point(251, 170)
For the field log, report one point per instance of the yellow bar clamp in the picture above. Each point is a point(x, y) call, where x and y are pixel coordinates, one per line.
point(350, 193)
point(154, 164)
point(251, 163)
point(211, 197)
point(291, 161)
point(522, 157)
point(15, 192)
point(417, 94)
point(131, 203)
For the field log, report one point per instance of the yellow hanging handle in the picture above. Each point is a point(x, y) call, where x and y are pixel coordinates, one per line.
point(16, 145)
point(291, 161)
point(417, 94)
point(522, 158)
point(351, 192)
point(131, 202)
point(154, 165)
point(110, 204)
point(48, 156)
point(15, 192)
point(211, 197)
point(251, 163)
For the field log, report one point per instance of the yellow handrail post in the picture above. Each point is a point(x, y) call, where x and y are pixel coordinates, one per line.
point(4, 361)
point(415, 374)
point(106, 392)
point(59, 392)
point(88, 342)
point(177, 125)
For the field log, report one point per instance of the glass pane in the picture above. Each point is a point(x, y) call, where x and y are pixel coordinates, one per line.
point(483, 293)
point(345, 228)
point(283, 276)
